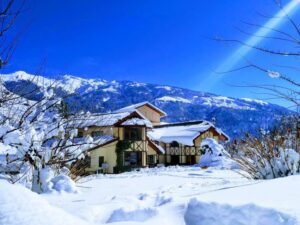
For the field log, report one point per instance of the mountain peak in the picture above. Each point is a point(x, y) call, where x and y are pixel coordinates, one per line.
point(96, 95)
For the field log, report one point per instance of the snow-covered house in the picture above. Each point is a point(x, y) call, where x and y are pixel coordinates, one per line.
point(128, 126)
point(148, 110)
point(182, 141)
point(147, 141)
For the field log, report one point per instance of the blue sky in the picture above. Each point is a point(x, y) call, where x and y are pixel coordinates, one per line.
point(157, 41)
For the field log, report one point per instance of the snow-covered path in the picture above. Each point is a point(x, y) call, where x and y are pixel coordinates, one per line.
point(175, 196)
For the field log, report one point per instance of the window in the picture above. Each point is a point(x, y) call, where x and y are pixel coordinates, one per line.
point(97, 133)
point(133, 158)
point(133, 133)
point(151, 159)
point(174, 144)
point(101, 160)
point(175, 160)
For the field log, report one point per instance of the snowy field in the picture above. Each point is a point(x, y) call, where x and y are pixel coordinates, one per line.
point(172, 195)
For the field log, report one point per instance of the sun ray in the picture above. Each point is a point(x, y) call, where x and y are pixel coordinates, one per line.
point(234, 58)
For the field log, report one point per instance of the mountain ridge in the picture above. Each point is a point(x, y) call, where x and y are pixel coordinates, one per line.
point(234, 115)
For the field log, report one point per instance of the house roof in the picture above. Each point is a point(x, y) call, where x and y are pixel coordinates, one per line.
point(97, 119)
point(156, 147)
point(138, 105)
point(109, 119)
point(193, 122)
point(184, 133)
point(137, 122)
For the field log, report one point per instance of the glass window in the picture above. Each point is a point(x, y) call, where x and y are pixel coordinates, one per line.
point(133, 133)
point(151, 159)
point(174, 144)
point(101, 160)
point(132, 158)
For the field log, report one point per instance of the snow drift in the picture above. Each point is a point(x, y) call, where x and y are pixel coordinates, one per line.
point(200, 213)
point(21, 206)
point(138, 215)
point(51, 183)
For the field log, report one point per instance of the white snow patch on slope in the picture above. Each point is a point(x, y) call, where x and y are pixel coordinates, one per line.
point(105, 99)
point(68, 83)
point(71, 84)
point(21, 75)
point(255, 100)
point(110, 89)
point(222, 101)
point(137, 84)
point(168, 88)
point(173, 99)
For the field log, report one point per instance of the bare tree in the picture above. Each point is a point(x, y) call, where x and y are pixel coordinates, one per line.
point(289, 90)
point(10, 10)
point(274, 153)
point(268, 156)
point(38, 132)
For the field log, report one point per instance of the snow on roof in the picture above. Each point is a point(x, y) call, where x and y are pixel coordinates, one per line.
point(219, 131)
point(161, 149)
point(109, 119)
point(99, 120)
point(138, 122)
point(132, 108)
point(184, 134)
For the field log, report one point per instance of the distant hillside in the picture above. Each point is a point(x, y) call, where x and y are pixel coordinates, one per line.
point(96, 95)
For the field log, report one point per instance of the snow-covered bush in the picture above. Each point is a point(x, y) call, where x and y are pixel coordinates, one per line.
point(214, 155)
point(48, 181)
point(268, 156)
point(40, 137)
point(34, 135)
point(63, 183)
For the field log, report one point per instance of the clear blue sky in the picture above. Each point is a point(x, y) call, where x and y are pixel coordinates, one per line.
point(157, 41)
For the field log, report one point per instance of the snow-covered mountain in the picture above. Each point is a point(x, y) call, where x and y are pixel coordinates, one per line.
point(98, 95)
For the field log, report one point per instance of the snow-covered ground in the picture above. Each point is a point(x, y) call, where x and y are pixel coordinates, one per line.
point(172, 195)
